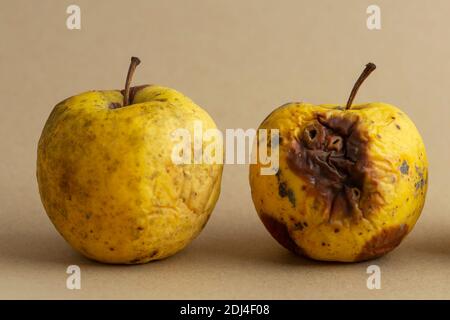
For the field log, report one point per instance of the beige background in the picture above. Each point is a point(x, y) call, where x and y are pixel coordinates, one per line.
point(239, 60)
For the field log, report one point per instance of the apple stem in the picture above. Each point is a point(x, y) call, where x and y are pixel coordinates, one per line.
point(366, 72)
point(133, 64)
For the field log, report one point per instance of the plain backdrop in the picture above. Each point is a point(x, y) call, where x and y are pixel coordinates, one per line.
point(239, 60)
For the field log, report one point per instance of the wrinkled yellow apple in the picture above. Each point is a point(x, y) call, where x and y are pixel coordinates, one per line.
point(351, 183)
point(107, 181)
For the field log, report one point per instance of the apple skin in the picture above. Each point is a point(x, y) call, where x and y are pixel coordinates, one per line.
point(363, 205)
point(107, 181)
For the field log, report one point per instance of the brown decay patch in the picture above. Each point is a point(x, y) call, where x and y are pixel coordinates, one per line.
point(383, 242)
point(331, 154)
point(280, 232)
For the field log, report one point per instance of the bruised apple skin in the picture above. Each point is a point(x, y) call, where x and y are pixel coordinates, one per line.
point(107, 181)
point(351, 182)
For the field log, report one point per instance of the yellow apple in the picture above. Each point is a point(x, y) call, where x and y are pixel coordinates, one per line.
point(351, 183)
point(106, 177)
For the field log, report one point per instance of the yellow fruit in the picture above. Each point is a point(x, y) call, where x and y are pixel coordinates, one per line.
point(351, 182)
point(107, 181)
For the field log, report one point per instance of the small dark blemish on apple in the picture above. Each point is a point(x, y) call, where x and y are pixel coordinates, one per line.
point(88, 215)
point(143, 258)
point(422, 181)
point(336, 230)
point(323, 244)
point(419, 184)
point(111, 249)
point(140, 228)
point(404, 168)
point(115, 105)
point(284, 190)
point(154, 253)
point(299, 226)
point(383, 242)
point(398, 127)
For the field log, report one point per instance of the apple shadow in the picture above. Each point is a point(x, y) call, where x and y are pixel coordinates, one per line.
point(37, 246)
point(247, 246)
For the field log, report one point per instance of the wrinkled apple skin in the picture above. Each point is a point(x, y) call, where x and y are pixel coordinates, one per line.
point(310, 218)
point(107, 181)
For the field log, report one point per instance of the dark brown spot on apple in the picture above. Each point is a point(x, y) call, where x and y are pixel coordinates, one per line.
point(115, 105)
point(398, 127)
point(284, 190)
point(154, 253)
point(280, 232)
point(144, 258)
point(383, 242)
point(331, 155)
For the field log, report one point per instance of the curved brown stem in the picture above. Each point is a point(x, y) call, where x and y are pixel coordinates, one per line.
point(133, 64)
point(366, 72)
